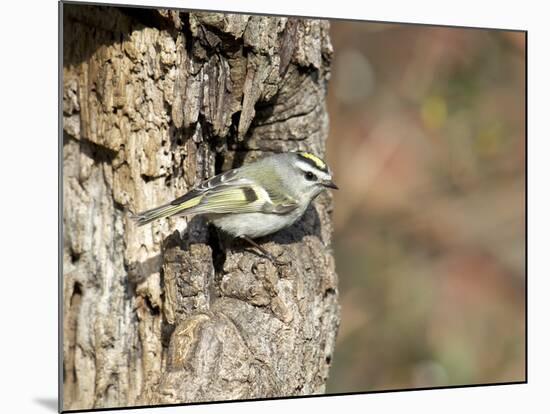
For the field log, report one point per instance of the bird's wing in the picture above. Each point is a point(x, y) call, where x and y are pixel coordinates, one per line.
point(242, 196)
point(231, 193)
point(226, 177)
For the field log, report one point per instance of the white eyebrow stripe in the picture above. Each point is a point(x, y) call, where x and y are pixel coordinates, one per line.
point(304, 166)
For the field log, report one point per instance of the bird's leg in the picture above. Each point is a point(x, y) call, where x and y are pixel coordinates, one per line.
point(264, 251)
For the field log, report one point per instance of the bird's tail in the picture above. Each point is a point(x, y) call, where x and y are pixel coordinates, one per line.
point(166, 210)
point(148, 216)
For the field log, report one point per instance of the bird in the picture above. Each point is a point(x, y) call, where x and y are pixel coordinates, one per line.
point(254, 200)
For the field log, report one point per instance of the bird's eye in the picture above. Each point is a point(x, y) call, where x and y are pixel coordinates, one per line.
point(310, 176)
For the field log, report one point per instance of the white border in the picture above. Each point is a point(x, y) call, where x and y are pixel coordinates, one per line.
point(29, 204)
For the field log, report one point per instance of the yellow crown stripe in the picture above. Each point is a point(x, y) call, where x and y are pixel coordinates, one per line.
point(316, 160)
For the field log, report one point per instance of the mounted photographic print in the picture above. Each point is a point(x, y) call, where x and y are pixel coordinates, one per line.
point(260, 207)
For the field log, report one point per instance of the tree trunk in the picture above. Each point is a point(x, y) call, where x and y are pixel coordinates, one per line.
point(153, 103)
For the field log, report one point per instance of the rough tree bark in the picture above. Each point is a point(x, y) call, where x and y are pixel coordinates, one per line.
point(153, 103)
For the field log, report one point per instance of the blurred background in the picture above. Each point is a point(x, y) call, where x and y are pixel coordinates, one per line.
point(427, 143)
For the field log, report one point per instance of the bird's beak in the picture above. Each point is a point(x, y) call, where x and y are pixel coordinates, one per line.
point(330, 184)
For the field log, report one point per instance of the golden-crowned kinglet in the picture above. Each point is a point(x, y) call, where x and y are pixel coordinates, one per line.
point(256, 199)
